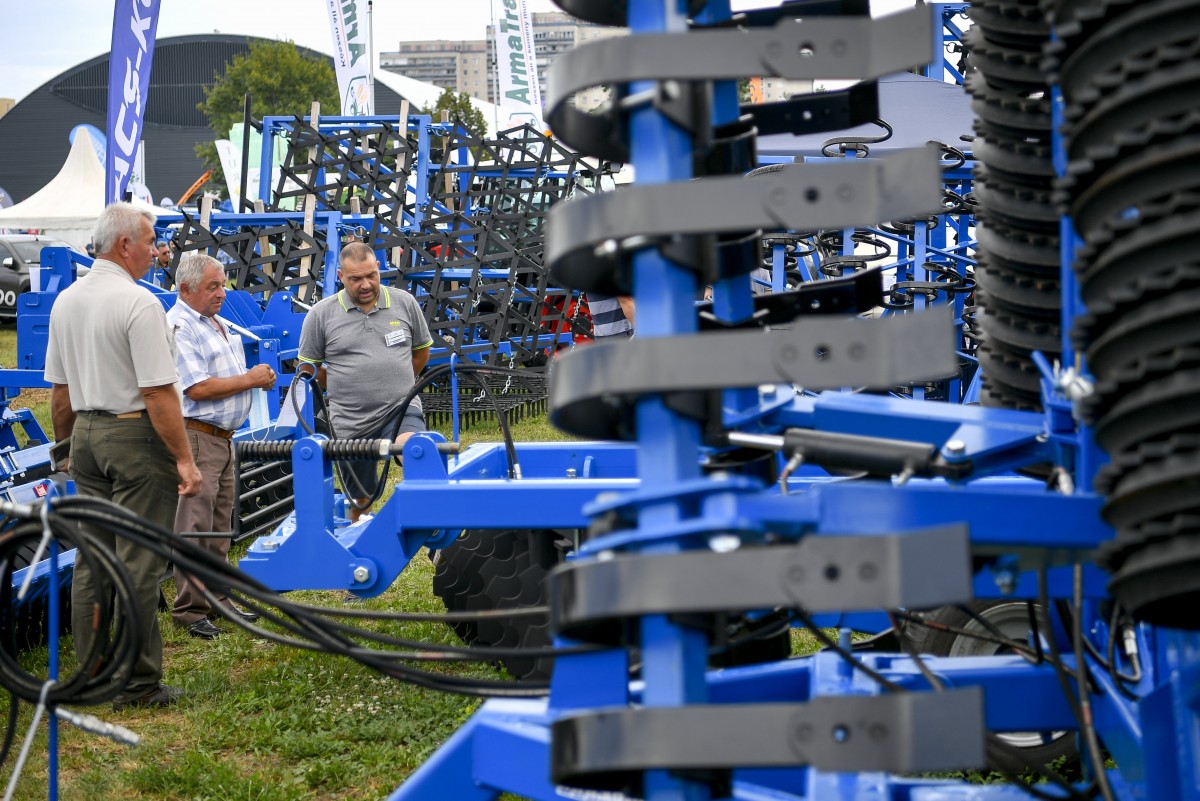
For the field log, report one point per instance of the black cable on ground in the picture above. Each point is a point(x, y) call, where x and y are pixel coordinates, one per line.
point(306, 626)
point(118, 627)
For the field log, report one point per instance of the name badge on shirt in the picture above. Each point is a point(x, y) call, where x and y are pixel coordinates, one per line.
point(395, 338)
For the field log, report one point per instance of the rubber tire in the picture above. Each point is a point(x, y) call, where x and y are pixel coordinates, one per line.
point(486, 569)
point(30, 623)
point(757, 651)
point(1011, 618)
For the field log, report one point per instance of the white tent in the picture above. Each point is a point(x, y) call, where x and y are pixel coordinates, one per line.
point(425, 95)
point(67, 207)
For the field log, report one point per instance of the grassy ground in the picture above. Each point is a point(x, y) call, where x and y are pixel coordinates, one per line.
point(263, 722)
point(36, 399)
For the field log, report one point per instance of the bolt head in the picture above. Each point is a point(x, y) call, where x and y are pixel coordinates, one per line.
point(724, 543)
point(417, 451)
point(956, 447)
point(361, 574)
point(1006, 582)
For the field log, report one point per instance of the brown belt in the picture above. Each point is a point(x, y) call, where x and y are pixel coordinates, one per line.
point(140, 413)
point(208, 428)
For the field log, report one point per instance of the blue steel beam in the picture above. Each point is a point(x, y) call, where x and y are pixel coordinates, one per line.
point(504, 746)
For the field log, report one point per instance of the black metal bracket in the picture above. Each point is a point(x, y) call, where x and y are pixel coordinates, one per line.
point(595, 600)
point(821, 47)
point(589, 237)
point(854, 294)
point(817, 113)
point(899, 733)
point(592, 388)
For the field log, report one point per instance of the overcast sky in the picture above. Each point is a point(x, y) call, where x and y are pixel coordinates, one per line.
point(43, 38)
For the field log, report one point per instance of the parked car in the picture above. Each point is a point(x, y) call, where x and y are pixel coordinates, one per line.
point(19, 252)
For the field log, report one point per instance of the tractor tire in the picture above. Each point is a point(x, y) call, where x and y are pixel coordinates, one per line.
point(773, 644)
point(485, 570)
point(28, 625)
point(1011, 618)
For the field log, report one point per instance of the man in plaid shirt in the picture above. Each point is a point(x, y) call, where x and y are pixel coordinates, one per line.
point(216, 401)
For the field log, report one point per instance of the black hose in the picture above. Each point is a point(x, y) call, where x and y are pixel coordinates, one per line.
point(304, 626)
point(110, 653)
point(1085, 703)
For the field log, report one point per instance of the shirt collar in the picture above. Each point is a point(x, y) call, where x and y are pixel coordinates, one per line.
point(383, 301)
point(106, 267)
point(195, 315)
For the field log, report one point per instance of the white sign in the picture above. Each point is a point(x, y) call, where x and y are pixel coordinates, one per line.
point(231, 164)
point(520, 99)
point(137, 176)
point(352, 56)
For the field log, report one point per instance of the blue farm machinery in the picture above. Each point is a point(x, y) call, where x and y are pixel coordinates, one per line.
point(943, 395)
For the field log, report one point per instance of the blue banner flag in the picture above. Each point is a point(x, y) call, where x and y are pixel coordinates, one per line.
point(135, 23)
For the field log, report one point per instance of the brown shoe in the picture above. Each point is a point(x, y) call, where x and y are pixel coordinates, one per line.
point(160, 696)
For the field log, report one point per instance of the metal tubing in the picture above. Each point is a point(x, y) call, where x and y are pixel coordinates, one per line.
point(673, 656)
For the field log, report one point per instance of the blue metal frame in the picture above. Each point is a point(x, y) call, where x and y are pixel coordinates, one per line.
point(657, 485)
point(950, 32)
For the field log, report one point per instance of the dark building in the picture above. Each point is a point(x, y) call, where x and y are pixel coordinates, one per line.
point(33, 135)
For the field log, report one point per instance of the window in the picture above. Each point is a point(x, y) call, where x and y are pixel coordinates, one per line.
point(31, 252)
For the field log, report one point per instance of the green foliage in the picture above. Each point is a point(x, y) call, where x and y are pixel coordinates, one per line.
point(280, 80)
point(744, 90)
point(460, 108)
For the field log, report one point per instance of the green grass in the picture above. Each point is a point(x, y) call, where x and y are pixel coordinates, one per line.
point(36, 399)
point(262, 721)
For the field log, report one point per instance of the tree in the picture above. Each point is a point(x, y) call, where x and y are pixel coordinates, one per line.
point(280, 81)
point(459, 106)
point(745, 94)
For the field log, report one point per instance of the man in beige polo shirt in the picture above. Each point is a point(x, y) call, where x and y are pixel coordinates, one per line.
point(115, 394)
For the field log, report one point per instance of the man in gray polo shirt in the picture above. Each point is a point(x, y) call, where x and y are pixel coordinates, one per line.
point(367, 344)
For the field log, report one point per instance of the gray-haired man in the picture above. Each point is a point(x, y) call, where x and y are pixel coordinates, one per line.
point(115, 394)
point(216, 401)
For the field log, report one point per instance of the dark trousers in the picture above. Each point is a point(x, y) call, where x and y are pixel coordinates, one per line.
point(211, 510)
point(126, 462)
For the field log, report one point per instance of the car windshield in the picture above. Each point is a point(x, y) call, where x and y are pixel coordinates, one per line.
point(31, 252)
